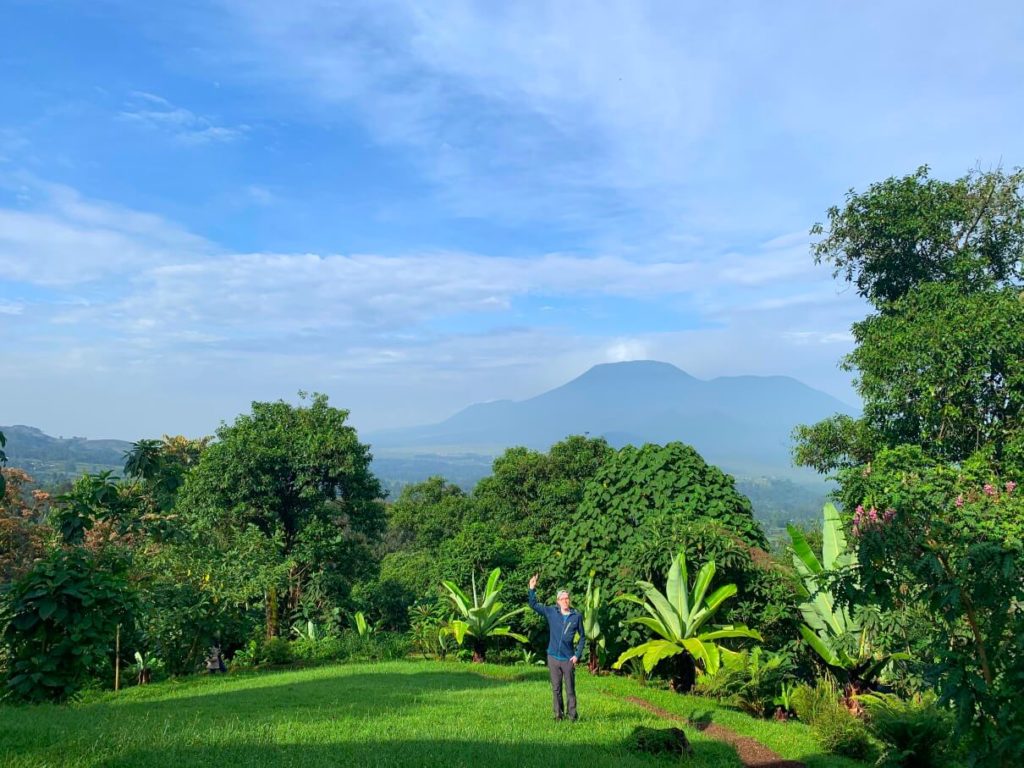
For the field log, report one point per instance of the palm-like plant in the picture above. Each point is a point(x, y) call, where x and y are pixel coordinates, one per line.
point(362, 627)
point(836, 633)
point(481, 618)
point(592, 625)
point(680, 617)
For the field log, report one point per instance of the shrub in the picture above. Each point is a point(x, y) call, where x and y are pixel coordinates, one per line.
point(750, 681)
point(810, 701)
point(916, 733)
point(59, 621)
point(840, 733)
point(276, 650)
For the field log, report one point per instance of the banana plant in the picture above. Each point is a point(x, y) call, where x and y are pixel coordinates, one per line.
point(837, 634)
point(362, 627)
point(679, 617)
point(592, 625)
point(481, 617)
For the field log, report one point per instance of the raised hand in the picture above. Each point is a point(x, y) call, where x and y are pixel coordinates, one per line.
point(533, 581)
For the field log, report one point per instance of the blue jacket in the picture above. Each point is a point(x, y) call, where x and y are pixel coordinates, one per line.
point(562, 628)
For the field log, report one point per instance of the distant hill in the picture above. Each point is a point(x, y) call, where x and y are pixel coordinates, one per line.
point(51, 460)
point(741, 423)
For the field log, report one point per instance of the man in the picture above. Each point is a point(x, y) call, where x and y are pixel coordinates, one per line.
point(564, 622)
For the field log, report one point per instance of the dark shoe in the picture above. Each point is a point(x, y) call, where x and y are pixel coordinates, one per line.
point(558, 718)
point(573, 718)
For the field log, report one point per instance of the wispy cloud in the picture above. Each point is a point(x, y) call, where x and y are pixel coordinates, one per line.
point(183, 125)
point(58, 238)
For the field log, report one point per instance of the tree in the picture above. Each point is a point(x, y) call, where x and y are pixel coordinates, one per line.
point(943, 369)
point(529, 491)
point(904, 232)
point(300, 476)
point(162, 464)
point(927, 476)
point(678, 617)
point(641, 501)
point(3, 462)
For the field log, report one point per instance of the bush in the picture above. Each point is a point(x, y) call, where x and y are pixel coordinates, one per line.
point(750, 681)
point(840, 733)
point(59, 621)
point(276, 650)
point(811, 701)
point(916, 733)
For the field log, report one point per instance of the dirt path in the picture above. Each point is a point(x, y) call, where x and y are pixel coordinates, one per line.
point(752, 753)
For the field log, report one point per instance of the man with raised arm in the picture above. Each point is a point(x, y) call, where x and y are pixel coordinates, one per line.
point(564, 624)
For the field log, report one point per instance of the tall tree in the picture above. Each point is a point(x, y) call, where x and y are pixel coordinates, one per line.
point(300, 476)
point(906, 231)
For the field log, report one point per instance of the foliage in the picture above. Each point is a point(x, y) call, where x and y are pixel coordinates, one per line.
point(427, 630)
point(482, 618)
point(837, 633)
point(592, 624)
point(840, 733)
point(943, 369)
point(750, 680)
point(916, 733)
point(94, 499)
point(643, 505)
point(162, 464)
point(811, 701)
point(145, 666)
point(23, 539)
point(275, 651)
point(528, 492)
point(678, 617)
point(300, 477)
point(361, 626)
point(904, 232)
point(59, 622)
point(953, 544)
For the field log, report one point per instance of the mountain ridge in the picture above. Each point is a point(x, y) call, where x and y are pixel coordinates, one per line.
point(741, 422)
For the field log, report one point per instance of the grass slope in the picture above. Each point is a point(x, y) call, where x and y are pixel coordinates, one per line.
point(394, 714)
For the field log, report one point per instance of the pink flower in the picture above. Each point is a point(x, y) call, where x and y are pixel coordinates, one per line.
point(960, 501)
point(890, 513)
point(873, 514)
point(989, 489)
point(1010, 485)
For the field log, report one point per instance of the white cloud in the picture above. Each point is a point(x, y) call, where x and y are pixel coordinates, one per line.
point(183, 125)
point(58, 238)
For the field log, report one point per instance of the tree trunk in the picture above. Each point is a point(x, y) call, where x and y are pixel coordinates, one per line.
point(272, 612)
point(685, 673)
point(145, 675)
point(479, 651)
point(594, 664)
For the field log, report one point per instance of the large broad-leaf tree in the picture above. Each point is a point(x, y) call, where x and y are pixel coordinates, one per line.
point(930, 470)
point(680, 617)
point(300, 476)
point(645, 504)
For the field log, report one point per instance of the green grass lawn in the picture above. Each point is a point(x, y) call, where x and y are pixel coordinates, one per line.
point(395, 714)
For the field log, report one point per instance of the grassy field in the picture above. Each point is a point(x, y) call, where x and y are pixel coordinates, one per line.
point(393, 714)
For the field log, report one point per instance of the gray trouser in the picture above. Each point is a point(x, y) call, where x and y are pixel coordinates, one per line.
point(562, 670)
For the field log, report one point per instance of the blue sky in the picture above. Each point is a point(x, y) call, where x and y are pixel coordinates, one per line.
point(413, 207)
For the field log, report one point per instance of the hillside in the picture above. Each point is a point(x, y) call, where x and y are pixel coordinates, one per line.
point(51, 460)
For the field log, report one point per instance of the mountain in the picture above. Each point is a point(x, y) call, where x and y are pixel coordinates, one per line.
point(55, 459)
point(742, 423)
